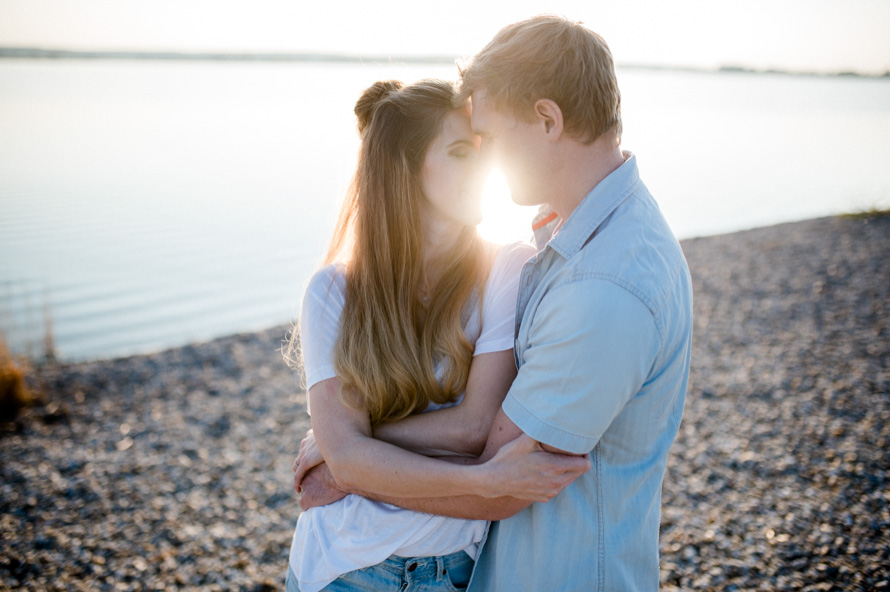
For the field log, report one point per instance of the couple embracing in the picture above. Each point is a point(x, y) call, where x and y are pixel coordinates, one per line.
point(497, 417)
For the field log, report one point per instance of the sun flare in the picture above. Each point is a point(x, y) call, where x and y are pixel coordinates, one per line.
point(502, 220)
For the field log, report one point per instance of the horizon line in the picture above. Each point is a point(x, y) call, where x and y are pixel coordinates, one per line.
point(319, 57)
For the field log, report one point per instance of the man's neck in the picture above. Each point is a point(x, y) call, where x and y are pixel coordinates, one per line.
point(582, 167)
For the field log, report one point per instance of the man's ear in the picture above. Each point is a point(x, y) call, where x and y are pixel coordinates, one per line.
point(549, 116)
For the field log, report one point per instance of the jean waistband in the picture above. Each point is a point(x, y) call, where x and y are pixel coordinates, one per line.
point(424, 566)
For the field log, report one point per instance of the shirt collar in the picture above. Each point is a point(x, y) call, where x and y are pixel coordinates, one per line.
point(596, 206)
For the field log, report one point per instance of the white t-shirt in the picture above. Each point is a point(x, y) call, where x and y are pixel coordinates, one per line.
point(356, 532)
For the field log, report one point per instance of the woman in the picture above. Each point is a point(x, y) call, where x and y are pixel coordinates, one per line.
point(406, 338)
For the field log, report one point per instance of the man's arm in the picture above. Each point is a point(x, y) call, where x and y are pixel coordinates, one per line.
point(506, 445)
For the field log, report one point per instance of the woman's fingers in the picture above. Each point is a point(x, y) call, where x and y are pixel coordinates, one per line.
point(308, 457)
point(524, 470)
point(299, 473)
point(297, 480)
point(560, 472)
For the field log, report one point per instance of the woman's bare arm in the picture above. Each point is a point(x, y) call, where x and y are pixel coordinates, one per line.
point(537, 462)
point(459, 431)
point(358, 461)
point(462, 429)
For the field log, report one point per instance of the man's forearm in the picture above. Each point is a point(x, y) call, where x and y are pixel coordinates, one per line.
point(465, 506)
point(319, 488)
point(471, 507)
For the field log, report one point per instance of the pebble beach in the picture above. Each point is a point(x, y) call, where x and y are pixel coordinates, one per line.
point(171, 471)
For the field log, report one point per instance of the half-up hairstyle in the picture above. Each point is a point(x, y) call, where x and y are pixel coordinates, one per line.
point(390, 340)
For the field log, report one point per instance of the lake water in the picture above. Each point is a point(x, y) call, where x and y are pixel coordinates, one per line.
point(145, 205)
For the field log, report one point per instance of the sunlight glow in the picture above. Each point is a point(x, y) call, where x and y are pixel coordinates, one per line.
point(502, 220)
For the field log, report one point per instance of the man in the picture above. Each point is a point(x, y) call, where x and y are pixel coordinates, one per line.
point(604, 319)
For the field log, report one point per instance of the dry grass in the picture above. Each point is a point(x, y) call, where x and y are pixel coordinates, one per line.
point(865, 215)
point(14, 391)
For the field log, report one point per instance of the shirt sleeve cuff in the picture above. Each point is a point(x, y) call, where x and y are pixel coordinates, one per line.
point(494, 345)
point(545, 433)
point(321, 373)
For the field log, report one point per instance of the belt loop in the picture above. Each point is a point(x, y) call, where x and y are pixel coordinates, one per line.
point(440, 568)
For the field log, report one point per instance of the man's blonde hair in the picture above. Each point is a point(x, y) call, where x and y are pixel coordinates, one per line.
point(549, 57)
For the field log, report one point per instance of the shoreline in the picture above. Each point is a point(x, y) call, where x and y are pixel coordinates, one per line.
point(57, 360)
point(55, 53)
point(172, 469)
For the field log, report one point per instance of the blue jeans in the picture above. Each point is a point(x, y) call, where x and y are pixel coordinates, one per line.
point(448, 573)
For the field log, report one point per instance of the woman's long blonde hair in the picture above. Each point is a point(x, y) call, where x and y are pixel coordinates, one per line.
point(390, 340)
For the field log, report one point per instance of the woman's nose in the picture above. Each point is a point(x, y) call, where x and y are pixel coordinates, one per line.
point(484, 160)
point(485, 149)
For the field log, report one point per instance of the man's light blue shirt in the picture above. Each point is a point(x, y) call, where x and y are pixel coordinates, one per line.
point(604, 325)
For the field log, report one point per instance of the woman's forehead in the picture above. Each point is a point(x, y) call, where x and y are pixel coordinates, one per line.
point(455, 127)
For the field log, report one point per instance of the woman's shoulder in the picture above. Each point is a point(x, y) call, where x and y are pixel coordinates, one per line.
point(509, 258)
point(506, 265)
point(518, 250)
point(331, 277)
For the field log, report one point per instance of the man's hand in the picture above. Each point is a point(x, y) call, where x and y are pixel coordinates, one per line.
point(318, 488)
point(524, 470)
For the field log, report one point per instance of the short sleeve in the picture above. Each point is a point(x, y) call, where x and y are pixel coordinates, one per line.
point(499, 301)
point(320, 323)
point(591, 346)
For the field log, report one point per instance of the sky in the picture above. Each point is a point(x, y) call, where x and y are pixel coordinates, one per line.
point(809, 35)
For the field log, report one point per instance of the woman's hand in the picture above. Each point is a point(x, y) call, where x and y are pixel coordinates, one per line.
point(308, 458)
point(524, 470)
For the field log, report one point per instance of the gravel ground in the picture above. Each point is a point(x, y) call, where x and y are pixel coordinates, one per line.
point(779, 477)
point(172, 471)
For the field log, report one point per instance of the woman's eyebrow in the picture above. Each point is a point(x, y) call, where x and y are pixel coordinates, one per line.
point(461, 141)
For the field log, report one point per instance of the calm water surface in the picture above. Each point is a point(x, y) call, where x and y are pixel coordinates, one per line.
point(144, 204)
